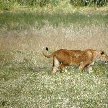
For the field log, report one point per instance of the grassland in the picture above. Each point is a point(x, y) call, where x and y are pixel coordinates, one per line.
point(25, 75)
point(30, 84)
point(25, 19)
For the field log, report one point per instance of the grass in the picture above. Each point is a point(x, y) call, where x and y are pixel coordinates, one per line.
point(25, 75)
point(25, 20)
point(26, 84)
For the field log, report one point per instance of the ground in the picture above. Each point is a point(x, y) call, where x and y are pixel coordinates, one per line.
point(25, 74)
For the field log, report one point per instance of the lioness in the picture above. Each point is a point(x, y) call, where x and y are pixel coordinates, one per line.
point(84, 59)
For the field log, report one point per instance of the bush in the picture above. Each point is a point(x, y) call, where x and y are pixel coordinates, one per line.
point(8, 5)
point(88, 2)
point(100, 2)
point(5, 5)
point(76, 2)
point(40, 3)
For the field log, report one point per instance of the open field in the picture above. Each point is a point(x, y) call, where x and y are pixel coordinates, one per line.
point(26, 19)
point(28, 83)
point(25, 75)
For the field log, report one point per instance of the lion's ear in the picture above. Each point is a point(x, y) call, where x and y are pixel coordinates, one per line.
point(102, 52)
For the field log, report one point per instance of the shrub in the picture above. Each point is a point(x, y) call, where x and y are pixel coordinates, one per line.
point(76, 2)
point(88, 2)
point(40, 3)
point(8, 5)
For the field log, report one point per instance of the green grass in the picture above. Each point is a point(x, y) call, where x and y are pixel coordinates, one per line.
point(26, 85)
point(25, 75)
point(26, 20)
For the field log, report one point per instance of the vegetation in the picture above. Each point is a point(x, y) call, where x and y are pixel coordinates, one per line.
point(27, 20)
point(26, 26)
point(24, 14)
point(27, 84)
point(9, 4)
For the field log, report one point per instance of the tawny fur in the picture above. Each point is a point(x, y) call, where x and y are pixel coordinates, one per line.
point(83, 59)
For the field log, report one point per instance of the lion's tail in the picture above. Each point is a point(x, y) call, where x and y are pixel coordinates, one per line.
point(46, 55)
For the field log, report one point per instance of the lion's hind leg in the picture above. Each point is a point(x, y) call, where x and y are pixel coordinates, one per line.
point(56, 65)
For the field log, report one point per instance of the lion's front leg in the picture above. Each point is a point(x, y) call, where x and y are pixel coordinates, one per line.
point(89, 67)
point(81, 66)
point(86, 65)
